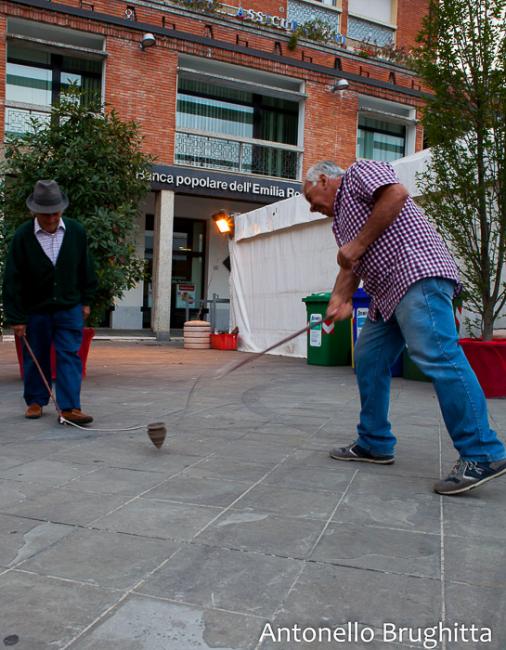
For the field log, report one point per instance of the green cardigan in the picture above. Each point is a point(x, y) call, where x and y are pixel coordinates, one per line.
point(31, 282)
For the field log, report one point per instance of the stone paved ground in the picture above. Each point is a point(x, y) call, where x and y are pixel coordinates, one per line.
point(241, 519)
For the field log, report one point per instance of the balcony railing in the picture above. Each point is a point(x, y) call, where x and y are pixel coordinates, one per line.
point(237, 154)
point(20, 118)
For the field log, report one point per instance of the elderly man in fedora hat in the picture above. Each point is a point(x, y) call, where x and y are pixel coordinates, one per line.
point(49, 282)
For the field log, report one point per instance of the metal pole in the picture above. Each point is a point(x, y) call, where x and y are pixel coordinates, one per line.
point(212, 316)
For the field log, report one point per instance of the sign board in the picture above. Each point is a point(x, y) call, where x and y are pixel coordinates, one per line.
point(279, 22)
point(185, 295)
point(184, 180)
point(315, 333)
point(360, 318)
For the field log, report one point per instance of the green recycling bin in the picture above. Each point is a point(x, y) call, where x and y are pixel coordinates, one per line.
point(327, 345)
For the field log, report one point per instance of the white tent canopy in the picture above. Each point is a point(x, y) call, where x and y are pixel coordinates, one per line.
point(281, 253)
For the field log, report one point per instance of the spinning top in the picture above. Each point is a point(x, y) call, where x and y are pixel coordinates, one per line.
point(157, 432)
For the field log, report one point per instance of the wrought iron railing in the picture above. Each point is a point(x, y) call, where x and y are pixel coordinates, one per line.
point(235, 154)
point(19, 120)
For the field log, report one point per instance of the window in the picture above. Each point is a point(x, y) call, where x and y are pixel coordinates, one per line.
point(35, 81)
point(234, 125)
point(205, 107)
point(386, 130)
point(379, 10)
point(42, 61)
point(379, 140)
point(371, 22)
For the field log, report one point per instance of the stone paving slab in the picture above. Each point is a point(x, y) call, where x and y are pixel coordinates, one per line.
point(217, 577)
point(263, 532)
point(241, 520)
point(46, 471)
point(192, 490)
point(108, 560)
point(141, 623)
point(334, 595)
point(44, 612)
point(379, 499)
point(380, 549)
point(303, 503)
point(475, 516)
point(476, 560)
point(22, 538)
point(468, 602)
point(62, 505)
point(118, 480)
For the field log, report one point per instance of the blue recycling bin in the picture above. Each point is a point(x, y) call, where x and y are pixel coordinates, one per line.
point(360, 302)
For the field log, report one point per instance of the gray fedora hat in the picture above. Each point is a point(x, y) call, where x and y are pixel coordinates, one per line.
point(47, 198)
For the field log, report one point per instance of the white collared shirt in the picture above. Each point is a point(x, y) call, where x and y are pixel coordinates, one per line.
point(50, 243)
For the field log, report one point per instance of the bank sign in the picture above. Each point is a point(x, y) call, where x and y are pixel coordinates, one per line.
point(261, 18)
point(202, 182)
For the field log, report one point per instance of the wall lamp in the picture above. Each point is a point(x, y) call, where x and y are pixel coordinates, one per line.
point(148, 40)
point(341, 84)
point(224, 222)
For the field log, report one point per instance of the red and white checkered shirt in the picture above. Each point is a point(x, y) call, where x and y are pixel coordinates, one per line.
point(407, 251)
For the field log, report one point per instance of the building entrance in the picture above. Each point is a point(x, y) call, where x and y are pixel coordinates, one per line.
point(188, 267)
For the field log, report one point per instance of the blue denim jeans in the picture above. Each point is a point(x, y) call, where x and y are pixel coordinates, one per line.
point(64, 328)
point(423, 320)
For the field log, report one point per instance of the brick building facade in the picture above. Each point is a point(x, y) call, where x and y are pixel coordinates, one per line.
point(232, 106)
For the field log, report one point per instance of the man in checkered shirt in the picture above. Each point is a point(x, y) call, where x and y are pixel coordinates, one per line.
point(387, 242)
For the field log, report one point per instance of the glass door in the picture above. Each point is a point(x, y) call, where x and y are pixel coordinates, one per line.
point(188, 265)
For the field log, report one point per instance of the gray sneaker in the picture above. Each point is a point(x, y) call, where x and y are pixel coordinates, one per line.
point(357, 453)
point(467, 475)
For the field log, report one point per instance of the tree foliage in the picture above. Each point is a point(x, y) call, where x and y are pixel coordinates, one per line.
point(316, 30)
point(97, 160)
point(462, 56)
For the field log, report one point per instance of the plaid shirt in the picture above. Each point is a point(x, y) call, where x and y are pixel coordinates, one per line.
point(50, 243)
point(407, 251)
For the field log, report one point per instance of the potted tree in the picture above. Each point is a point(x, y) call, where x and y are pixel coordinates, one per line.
point(97, 160)
point(461, 57)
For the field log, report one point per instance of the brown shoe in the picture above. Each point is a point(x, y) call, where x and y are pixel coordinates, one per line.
point(33, 412)
point(77, 416)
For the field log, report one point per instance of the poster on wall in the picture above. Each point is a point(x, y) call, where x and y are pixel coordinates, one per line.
point(185, 296)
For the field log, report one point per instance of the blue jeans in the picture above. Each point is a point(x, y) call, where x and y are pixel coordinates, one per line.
point(423, 320)
point(64, 328)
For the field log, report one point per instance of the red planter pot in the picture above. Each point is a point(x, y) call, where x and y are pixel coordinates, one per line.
point(224, 341)
point(488, 360)
point(88, 334)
